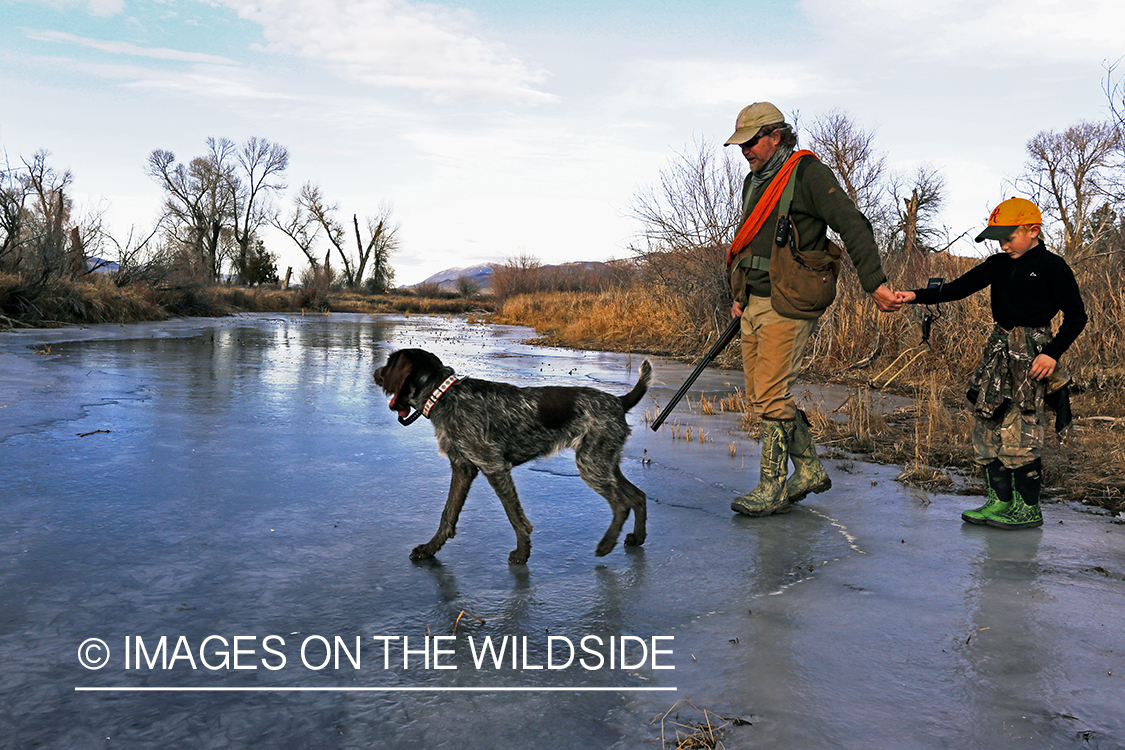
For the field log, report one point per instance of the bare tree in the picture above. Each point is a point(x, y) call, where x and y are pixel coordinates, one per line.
point(849, 150)
point(688, 220)
point(382, 241)
point(520, 274)
point(42, 241)
point(696, 203)
point(467, 287)
point(199, 198)
point(136, 261)
point(13, 215)
point(313, 210)
point(51, 206)
point(1068, 174)
point(261, 167)
point(53, 243)
point(918, 201)
point(216, 204)
point(1115, 96)
point(324, 214)
point(302, 225)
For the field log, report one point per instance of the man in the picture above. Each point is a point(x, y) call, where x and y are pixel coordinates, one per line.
point(773, 341)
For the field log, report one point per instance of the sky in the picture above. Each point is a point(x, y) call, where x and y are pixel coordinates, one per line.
point(501, 128)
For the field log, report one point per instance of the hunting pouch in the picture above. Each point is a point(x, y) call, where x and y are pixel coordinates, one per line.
point(803, 281)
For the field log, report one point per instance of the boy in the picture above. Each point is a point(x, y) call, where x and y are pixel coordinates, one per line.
point(1030, 285)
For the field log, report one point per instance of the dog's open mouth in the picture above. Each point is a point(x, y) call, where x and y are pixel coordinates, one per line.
point(403, 410)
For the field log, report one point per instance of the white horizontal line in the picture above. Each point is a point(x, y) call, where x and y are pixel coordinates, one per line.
point(372, 689)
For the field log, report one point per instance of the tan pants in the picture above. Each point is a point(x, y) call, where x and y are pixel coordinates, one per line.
point(772, 347)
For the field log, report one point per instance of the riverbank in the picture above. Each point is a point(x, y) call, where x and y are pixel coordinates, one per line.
point(930, 440)
point(100, 300)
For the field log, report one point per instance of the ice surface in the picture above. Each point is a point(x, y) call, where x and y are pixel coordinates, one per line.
point(243, 477)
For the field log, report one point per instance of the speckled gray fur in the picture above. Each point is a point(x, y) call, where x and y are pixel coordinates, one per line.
point(488, 427)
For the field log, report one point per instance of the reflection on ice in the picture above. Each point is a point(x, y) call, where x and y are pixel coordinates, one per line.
point(244, 477)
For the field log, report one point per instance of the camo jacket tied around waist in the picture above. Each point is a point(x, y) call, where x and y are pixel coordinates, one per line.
point(1004, 375)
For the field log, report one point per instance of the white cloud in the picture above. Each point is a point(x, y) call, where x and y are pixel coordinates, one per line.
point(398, 44)
point(716, 83)
point(103, 8)
point(202, 81)
point(124, 48)
point(106, 7)
point(993, 33)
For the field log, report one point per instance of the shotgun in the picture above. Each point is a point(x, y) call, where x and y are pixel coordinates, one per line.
point(728, 336)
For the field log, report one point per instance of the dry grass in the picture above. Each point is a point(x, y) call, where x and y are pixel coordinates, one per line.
point(854, 344)
point(63, 302)
point(406, 304)
point(630, 319)
point(702, 730)
point(96, 299)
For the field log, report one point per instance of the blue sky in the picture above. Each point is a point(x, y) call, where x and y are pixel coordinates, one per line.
point(502, 128)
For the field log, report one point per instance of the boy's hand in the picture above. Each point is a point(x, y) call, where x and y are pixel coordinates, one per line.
point(1043, 367)
point(885, 299)
point(905, 297)
point(736, 310)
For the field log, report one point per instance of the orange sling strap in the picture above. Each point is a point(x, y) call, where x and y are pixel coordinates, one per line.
point(766, 204)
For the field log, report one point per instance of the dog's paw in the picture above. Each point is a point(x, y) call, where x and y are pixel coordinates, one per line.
point(518, 557)
point(421, 552)
point(634, 540)
point(605, 547)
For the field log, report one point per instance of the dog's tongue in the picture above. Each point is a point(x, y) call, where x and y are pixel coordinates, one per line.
point(403, 411)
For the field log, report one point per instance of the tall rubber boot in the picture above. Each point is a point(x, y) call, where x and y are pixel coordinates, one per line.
point(770, 495)
point(809, 475)
point(1024, 512)
point(999, 482)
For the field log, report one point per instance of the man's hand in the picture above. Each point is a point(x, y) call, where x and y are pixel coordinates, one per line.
point(736, 310)
point(886, 300)
point(1043, 367)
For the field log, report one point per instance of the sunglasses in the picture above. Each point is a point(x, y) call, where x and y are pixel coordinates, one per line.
point(754, 141)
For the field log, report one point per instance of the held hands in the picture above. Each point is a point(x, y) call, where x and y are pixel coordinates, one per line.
point(1042, 367)
point(887, 300)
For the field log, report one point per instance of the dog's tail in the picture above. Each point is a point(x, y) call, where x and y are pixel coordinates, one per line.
point(633, 397)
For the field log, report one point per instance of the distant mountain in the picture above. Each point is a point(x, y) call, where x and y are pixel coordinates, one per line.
point(447, 279)
point(101, 265)
point(482, 274)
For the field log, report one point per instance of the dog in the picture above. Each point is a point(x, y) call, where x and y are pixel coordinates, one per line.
point(489, 427)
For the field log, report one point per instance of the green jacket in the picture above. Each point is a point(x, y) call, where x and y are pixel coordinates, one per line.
point(818, 203)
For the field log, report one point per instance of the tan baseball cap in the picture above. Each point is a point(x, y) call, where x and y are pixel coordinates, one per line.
point(752, 119)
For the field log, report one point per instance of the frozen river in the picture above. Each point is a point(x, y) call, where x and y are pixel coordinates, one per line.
point(218, 515)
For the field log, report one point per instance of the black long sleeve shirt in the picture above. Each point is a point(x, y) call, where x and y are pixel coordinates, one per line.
point(1027, 291)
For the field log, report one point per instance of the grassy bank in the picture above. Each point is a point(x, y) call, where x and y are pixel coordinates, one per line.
point(853, 345)
point(97, 299)
point(857, 346)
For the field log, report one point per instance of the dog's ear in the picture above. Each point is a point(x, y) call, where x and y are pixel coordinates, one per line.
point(394, 377)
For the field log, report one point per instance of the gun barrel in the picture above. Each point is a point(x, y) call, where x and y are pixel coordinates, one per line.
point(728, 335)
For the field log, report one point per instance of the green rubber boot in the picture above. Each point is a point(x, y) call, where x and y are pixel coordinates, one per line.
point(770, 495)
point(809, 476)
point(1024, 512)
point(999, 481)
